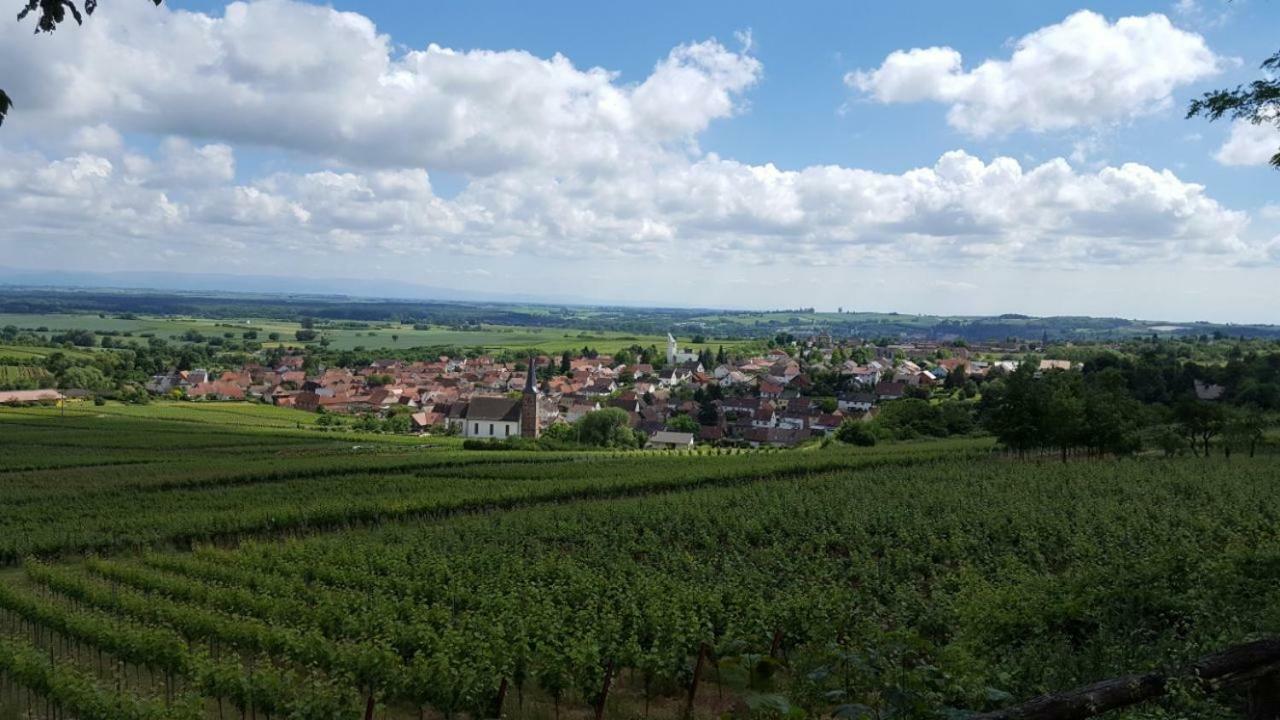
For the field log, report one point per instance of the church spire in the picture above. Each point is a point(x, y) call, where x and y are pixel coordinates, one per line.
point(529, 401)
point(530, 381)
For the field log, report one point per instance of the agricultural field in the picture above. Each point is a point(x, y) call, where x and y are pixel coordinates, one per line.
point(30, 355)
point(10, 373)
point(350, 335)
point(222, 560)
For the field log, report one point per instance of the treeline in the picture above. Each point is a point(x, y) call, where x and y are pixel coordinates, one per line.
point(1121, 404)
point(122, 371)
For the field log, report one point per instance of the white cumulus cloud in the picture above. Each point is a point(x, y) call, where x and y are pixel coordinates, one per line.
point(1249, 144)
point(1082, 71)
point(313, 79)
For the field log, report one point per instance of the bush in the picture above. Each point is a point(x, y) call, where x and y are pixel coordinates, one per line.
point(855, 432)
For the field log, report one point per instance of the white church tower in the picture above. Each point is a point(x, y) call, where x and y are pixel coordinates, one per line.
point(674, 356)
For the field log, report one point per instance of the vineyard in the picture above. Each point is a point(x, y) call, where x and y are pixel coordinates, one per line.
point(223, 562)
point(14, 372)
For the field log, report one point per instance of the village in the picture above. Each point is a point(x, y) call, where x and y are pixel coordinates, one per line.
point(779, 398)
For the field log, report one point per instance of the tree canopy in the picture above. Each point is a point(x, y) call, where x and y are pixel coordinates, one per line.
point(1258, 102)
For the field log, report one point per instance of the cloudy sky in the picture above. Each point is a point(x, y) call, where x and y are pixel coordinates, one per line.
point(948, 157)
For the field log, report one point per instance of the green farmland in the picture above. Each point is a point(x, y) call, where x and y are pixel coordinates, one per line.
point(349, 335)
point(220, 560)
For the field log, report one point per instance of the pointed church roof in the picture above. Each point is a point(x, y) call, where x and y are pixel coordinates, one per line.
point(531, 375)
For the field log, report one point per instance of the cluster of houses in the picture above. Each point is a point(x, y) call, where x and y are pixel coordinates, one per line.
point(759, 401)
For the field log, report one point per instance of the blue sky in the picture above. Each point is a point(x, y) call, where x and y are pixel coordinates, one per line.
point(797, 182)
point(793, 116)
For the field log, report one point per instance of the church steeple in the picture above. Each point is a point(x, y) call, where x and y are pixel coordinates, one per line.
point(530, 381)
point(529, 401)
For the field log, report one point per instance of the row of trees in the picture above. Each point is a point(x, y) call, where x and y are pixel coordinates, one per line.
point(1096, 411)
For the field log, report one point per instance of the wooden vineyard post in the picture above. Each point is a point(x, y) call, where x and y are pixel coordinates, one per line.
point(776, 646)
point(1264, 697)
point(604, 690)
point(697, 674)
point(499, 701)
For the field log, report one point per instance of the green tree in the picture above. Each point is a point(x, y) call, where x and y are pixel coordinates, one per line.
point(957, 417)
point(707, 413)
point(609, 427)
point(855, 432)
point(909, 418)
point(1113, 418)
point(956, 378)
point(1062, 422)
point(1243, 429)
point(683, 423)
point(1258, 102)
point(84, 378)
point(1199, 422)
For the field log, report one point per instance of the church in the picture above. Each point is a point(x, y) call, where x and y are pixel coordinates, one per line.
point(499, 418)
point(674, 356)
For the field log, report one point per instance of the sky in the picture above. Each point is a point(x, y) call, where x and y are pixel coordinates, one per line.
point(936, 157)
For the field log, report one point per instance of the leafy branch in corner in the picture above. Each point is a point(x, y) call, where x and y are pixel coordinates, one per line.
point(51, 14)
point(1258, 102)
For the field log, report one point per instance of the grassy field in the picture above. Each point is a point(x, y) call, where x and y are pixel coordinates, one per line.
point(180, 560)
point(371, 336)
point(27, 354)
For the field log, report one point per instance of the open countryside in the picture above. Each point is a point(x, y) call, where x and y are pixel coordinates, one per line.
point(791, 524)
point(729, 360)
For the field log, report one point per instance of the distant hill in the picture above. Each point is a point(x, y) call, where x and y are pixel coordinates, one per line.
point(198, 300)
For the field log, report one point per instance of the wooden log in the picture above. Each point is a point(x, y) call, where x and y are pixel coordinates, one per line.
point(1238, 664)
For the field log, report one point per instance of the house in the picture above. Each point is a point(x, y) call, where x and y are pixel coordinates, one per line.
point(890, 390)
point(827, 423)
point(1208, 391)
point(499, 418)
point(576, 410)
point(860, 402)
point(600, 387)
point(776, 437)
point(672, 377)
point(668, 440)
point(770, 390)
point(217, 390)
point(492, 417)
point(427, 420)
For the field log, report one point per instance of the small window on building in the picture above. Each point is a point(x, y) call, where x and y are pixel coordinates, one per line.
point(490, 428)
point(508, 429)
point(477, 430)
